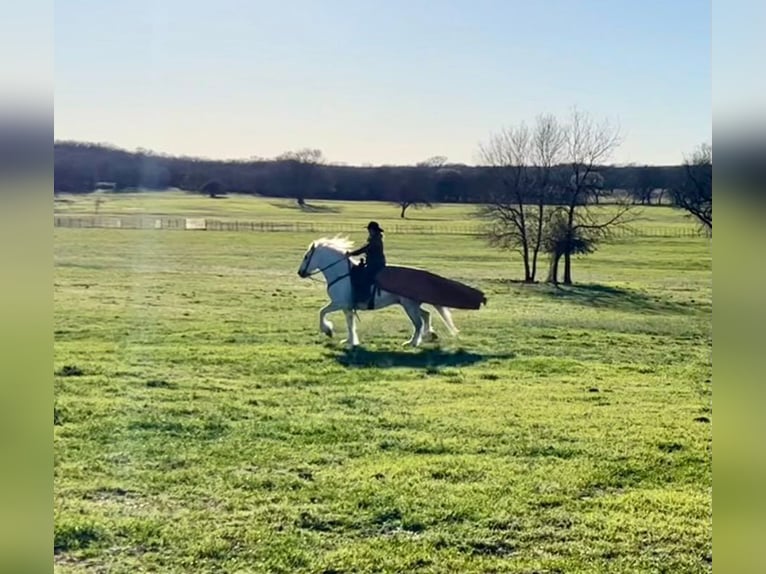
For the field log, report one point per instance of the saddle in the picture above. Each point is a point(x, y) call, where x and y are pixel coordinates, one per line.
point(363, 286)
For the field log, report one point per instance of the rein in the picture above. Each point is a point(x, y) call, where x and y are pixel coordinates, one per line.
point(326, 267)
point(338, 278)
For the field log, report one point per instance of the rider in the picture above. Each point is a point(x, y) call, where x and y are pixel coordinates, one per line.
point(376, 259)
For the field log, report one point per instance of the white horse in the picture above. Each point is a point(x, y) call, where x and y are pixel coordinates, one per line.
point(328, 257)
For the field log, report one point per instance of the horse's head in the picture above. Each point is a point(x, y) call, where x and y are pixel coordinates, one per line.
point(308, 264)
point(321, 253)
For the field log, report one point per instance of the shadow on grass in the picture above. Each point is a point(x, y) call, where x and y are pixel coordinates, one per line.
point(414, 359)
point(307, 208)
point(617, 298)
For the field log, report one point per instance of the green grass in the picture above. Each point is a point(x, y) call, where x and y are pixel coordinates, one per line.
point(343, 214)
point(203, 424)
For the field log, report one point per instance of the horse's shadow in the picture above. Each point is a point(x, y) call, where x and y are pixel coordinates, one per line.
point(420, 359)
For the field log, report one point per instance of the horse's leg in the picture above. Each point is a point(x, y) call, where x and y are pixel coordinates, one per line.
point(354, 335)
point(353, 338)
point(428, 329)
point(446, 317)
point(413, 312)
point(324, 324)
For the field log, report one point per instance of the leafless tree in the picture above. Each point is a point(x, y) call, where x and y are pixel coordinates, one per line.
point(547, 146)
point(300, 173)
point(517, 213)
point(587, 146)
point(695, 192)
point(417, 188)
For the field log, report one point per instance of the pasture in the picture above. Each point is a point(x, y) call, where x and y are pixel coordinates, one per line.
point(202, 423)
point(343, 216)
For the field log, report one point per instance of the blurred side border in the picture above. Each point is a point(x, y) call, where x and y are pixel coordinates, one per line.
point(26, 303)
point(739, 182)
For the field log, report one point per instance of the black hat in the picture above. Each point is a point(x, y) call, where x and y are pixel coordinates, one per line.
point(374, 225)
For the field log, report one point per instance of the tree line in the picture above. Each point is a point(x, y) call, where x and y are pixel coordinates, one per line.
point(303, 175)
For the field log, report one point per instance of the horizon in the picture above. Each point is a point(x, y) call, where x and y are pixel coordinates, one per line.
point(328, 163)
point(378, 85)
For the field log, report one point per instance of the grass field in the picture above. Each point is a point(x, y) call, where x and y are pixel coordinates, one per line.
point(343, 215)
point(203, 424)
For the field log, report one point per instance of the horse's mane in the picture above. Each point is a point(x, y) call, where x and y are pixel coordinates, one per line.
point(337, 243)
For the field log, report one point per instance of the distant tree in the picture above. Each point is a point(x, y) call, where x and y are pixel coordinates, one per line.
point(594, 183)
point(643, 182)
point(660, 194)
point(587, 145)
point(301, 172)
point(434, 161)
point(413, 192)
point(212, 188)
point(418, 187)
point(517, 214)
point(694, 193)
point(306, 156)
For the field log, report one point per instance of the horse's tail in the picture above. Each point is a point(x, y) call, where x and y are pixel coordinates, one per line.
point(446, 316)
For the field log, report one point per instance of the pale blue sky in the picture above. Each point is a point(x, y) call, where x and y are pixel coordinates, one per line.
point(392, 81)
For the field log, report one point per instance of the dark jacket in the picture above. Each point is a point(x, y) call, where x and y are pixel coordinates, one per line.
point(376, 259)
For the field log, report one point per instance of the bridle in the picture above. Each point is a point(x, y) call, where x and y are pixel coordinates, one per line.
point(325, 268)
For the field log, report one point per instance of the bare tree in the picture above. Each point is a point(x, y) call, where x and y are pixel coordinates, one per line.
point(695, 192)
point(587, 146)
point(641, 185)
point(417, 189)
point(301, 168)
point(509, 152)
point(412, 193)
point(547, 146)
point(524, 160)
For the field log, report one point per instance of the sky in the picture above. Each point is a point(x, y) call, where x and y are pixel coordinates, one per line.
point(386, 82)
